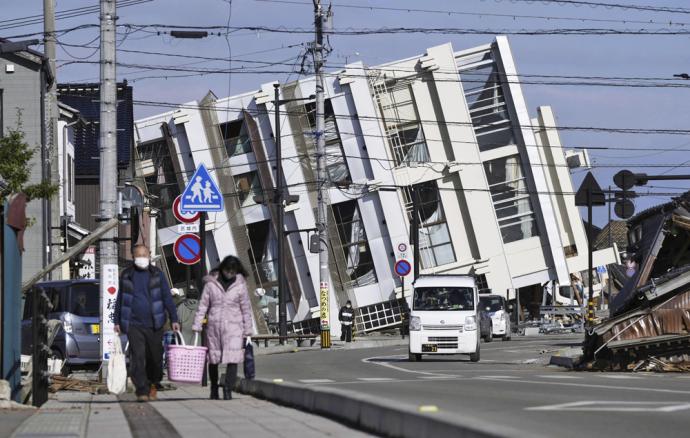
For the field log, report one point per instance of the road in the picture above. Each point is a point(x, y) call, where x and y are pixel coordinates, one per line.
point(510, 386)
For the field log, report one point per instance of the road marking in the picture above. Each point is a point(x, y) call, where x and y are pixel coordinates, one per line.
point(587, 385)
point(496, 377)
point(619, 376)
point(437, 377)
point(615, 406)
point(404, 370)
point(316, 381)
point(375, 379)
point(558, 376)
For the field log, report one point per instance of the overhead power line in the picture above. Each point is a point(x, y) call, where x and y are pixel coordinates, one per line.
point(630, 7)
point(483, 14)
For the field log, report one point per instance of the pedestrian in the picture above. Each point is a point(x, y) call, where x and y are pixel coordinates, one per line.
point(404, 318)
point(225, 301)
point(346, 316)
point(140, 313)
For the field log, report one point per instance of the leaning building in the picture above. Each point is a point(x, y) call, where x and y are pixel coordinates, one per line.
point(448, 130)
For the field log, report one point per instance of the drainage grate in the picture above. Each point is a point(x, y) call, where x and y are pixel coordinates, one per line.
point(145, 421)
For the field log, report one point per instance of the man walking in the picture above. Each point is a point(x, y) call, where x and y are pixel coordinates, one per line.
point(346, 316)
point(140, 314)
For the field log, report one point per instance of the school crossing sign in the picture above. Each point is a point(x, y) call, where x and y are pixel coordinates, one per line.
point(201, 193)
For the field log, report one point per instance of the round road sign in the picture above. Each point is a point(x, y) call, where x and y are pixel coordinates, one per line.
point(403, 268)
point(402, 247)
point(184, 216)
point(187, 249)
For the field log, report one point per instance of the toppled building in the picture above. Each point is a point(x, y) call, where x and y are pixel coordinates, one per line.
point(650, 316)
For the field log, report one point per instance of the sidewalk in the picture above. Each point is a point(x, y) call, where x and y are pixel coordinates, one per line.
point(183, 412)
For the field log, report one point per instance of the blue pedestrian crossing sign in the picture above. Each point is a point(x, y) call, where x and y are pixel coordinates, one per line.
point(201, 193)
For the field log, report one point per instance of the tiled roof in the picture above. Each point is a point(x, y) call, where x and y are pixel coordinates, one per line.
point(619, 235)
point(86, 99)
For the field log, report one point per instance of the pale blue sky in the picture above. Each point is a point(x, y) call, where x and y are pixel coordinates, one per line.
point(608, 56)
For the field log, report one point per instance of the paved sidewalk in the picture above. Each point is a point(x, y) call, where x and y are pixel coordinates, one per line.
point(183, 412)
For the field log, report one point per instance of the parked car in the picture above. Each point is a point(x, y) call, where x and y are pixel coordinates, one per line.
point(76, 303)
point(496, 310)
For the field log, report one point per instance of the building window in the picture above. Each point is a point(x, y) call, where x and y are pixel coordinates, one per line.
point(487, 106)
point(262, 252)
point(162, 179)
point(435, 245)
point(402, 123)
point(336, 167)
point(511, 198)
point(354, 244)
point(482, 284)
point(248, 186)
point(235, 137)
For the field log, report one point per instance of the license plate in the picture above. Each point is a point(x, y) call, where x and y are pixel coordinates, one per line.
point(95, 329)
point(429, 348)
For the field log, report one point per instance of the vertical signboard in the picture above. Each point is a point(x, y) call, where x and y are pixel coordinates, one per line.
point(325, 317)
point(88, 267)
point(109, 290)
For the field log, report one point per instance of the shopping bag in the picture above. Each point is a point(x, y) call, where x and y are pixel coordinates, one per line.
point(249, 370)
point(117, 369)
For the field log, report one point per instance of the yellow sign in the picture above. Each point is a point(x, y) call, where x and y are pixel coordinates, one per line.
point(324, 307)
point(95, 329)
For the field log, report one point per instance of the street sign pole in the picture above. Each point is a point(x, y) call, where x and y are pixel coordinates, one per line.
point(590, 301)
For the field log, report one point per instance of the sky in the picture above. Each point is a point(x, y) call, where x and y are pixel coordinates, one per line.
point(607, 56)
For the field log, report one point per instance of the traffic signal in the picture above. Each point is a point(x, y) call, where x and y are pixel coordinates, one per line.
point(41, 350)
point(625, 180)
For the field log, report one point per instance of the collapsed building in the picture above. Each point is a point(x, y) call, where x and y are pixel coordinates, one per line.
point(495, 192)
point(650, 316)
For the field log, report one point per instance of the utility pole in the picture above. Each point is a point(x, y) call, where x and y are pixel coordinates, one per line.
point(322, 216)
point(50, 153)
point(280, 215)
point(108, 159)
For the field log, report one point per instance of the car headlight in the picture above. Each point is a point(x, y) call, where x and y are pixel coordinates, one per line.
point(67, 326)
point(471, 323)
point(415, 323)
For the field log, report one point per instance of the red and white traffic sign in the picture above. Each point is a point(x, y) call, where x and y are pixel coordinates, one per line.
point(187, 249)
point(184, 216)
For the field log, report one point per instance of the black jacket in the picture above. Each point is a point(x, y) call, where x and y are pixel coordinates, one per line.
point(346, 315)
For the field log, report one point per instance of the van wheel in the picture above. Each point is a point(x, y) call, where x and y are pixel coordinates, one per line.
point(474, 357)
point(414, 357)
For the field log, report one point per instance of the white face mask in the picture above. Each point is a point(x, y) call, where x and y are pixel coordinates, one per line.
point(141, 262)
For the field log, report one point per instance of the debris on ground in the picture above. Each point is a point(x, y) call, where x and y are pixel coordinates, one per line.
point(60, 383)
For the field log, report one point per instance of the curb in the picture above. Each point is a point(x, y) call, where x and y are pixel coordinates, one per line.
point(383, 417)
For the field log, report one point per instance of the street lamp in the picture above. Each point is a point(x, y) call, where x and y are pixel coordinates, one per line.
point(277, 200)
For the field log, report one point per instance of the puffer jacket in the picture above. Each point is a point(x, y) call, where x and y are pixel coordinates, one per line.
point(229, 319)
point(161, 299)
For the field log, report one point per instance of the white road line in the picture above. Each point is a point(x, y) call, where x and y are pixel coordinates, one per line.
point(397, 368)
point(588, 385)
point(619, 376)
point(558, 376)
point(437, 377)
point(496, 377)
point(316, 381)
point(375, 379)
point(615, 406)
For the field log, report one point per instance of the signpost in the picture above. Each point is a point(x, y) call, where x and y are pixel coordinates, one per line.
point(109, 290)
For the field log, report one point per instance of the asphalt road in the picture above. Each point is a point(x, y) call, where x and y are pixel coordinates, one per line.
point(510, 386)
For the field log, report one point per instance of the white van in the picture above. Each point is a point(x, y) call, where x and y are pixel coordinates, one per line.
point(443, 316)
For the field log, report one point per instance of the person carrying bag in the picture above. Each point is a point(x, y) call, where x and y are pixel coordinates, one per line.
point(117, 369)
point(225, 302)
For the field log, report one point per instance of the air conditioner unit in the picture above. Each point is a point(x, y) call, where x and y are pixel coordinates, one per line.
point(148, 168)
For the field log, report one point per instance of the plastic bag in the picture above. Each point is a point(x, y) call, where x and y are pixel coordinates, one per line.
point(117, 369)
point(249, 370)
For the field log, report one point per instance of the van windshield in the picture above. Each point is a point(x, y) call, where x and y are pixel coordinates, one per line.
point(443, 298)
point(493, 303)
point(84, 300)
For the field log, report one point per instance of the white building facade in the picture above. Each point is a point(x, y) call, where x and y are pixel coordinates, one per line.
point(447, 130)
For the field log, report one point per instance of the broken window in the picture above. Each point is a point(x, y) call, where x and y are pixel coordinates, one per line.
point(487, 106)
point(248, 186)
point(336, 167)
point(482, 284)
point(402, 123)
point(511, 198)
point(262, 252)
point(353, 239)
point(235, 137)
point(435, 245)
point(161, 181)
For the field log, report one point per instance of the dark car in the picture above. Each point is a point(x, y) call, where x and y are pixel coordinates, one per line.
point(76, 303)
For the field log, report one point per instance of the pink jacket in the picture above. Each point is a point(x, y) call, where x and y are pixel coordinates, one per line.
point(229, 319)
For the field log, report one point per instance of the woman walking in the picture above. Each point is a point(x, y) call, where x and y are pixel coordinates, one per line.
point(226, 302)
